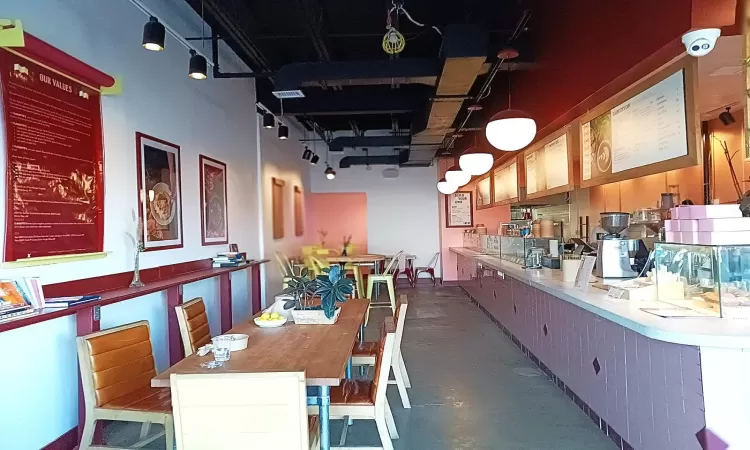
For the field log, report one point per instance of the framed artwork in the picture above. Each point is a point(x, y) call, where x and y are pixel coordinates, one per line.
point(299, 212)
point(214, 215)
point(277, 200)
point(459, 211)
point(159, 192)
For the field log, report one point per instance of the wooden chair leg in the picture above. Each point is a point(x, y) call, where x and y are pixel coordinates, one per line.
point(392, 431)
point(385, 437)
point(402, 367)
point(401, 387)
point(391, 294)
point(87, 437)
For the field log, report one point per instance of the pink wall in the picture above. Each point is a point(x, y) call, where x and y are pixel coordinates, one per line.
point(339, 214)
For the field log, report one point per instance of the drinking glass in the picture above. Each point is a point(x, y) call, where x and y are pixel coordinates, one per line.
point(222, 345)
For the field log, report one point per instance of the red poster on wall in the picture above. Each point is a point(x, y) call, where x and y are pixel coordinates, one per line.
point(55, 187)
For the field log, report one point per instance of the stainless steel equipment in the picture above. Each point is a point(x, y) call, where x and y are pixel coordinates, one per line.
point(614, 253)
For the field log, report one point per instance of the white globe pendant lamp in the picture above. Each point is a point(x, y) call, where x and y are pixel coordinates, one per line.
point(446, 187)
point(457, 176)
point(476, 161)
point(510, 130)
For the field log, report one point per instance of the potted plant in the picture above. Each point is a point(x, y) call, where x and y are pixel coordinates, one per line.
point(331, 287)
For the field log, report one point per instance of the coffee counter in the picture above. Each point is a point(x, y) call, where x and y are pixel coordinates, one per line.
point(647, 381)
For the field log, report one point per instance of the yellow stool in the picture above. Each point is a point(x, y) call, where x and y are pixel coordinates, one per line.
point(387, 278)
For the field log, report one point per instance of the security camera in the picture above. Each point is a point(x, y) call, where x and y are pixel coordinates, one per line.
point(701, 42)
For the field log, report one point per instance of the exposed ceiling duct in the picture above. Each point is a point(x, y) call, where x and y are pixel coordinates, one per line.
point(396, 160)
point(338, 144)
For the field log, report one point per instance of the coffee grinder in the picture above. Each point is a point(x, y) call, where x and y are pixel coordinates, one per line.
point(616, 255)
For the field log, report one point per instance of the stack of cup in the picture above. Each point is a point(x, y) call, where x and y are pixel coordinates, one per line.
point(570, 264)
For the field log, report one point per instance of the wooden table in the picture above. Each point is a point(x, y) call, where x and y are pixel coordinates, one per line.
point(356, 259)
point(322, 351)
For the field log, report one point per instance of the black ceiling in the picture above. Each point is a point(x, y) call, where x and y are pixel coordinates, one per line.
point(270, 34)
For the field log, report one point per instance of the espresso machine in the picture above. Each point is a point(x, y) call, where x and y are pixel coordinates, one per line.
point(618, 256)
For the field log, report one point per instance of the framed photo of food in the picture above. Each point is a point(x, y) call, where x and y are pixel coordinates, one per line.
point(159, 192)
point(214, 216)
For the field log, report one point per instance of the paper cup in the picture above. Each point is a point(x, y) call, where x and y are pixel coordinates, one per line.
point(570, 269)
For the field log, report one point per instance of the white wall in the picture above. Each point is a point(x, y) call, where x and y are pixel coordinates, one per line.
point(402, 213)
point(281, 159)
point(209, 117)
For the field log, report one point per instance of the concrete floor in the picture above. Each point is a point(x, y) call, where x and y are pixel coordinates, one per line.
point(472, 388)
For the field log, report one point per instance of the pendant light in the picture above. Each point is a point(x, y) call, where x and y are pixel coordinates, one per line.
point(446, 187)
point(153, 35)
point(456, 176)
point(198, 67)
point(475, 160)
point(283, 129)
point(512, 129)
point(269, 121)
point(330, 173)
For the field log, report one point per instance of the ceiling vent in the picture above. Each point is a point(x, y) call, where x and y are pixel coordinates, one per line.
point(296, 93)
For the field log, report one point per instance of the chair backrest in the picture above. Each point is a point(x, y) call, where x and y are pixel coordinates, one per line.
point(308, 250)
point(193, 321)
point(287, 263)
point(318, 265)
point(115, 363)
point(283, 266)
point(393, 263)
point(240, 410)
point(433, 261)
point(400, 319)
point(383, 361)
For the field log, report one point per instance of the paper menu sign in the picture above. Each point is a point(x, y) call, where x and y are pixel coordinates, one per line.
point(459, 209)
point(586, 155)
point(555, 156)
point(531, 176)
point(584, 272)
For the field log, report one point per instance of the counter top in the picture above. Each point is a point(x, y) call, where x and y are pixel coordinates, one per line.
point(702, 332)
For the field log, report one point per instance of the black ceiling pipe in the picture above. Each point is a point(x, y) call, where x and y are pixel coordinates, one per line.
point(338, 144)
point(399, 159)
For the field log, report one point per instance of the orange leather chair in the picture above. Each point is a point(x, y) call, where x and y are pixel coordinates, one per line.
point(193, 322)
point(117, 366)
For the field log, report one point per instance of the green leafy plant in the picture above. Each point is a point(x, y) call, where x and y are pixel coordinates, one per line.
point(302, 288)
point(333, 288)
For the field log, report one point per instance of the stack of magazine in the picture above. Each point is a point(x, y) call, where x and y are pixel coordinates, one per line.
point(228, 259)
point(19, 297)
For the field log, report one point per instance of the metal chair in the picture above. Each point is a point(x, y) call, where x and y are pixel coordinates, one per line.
point(387, 278)
point(429, 269)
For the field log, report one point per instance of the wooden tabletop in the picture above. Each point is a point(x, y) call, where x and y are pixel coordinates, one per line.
point(356, 259)
point(322, 351)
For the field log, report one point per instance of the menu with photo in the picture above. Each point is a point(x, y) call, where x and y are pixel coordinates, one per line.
point(54, 171)
point(159, 192)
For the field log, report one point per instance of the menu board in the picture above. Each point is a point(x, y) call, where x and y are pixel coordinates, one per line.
point(484, 192)
point(54, 161)
point(506, 182)
point(458, 210)
point(648, 128)
point(547, 167)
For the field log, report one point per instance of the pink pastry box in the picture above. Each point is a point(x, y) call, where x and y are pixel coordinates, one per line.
point(723, 238)
point(731, 224)
point(671, 225)
point(706, 212)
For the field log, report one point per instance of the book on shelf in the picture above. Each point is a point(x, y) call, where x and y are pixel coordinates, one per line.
point(218, 264)
point(16, 314)
point(64, 302)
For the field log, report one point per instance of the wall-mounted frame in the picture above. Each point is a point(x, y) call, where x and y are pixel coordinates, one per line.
point(483, 192)
point(547, 165)
point(277, 207)
point(648, 120)
point(159, 192)
point(299, 212)
point(214, 212)
point(505, 183)
point(459, 210)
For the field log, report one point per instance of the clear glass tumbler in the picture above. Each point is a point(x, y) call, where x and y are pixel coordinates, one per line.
point(222, 346)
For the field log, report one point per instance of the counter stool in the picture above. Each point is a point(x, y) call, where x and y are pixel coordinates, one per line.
point(193, 322)
point(117, 366)
point(430, 270)
point(254, 405)
point(387, 278)
point(365, 353)
point(361, 399)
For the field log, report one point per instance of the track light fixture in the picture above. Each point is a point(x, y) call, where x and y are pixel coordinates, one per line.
point(330, 173)
point(153, 35)
point(283, 132)
point(198, 66)
point(269, 121)
point(314, 160)
point(727, 118)
point(307, 154)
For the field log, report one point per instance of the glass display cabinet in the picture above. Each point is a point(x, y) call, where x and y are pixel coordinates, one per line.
point(523, 250)
point(710, 279)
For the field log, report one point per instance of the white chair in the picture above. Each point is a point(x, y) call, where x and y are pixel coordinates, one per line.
point(285, 268)
point(387, 278)
point(365, 353)
point(228, 411)
point(362, 399)
point(429, 269)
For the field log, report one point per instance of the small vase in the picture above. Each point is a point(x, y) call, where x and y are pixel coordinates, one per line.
point(136, 272)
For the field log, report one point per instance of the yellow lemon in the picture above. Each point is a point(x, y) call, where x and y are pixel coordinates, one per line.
point(265, 316)
point(275, 316)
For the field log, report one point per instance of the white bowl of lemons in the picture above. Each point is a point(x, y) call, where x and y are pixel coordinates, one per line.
point(270, 320)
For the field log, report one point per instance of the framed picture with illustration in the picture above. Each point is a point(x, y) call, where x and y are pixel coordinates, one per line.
point(159, 192)
point(214, 215)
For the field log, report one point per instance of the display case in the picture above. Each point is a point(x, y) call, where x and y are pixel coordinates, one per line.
point(710, 279)
point(523, 250)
